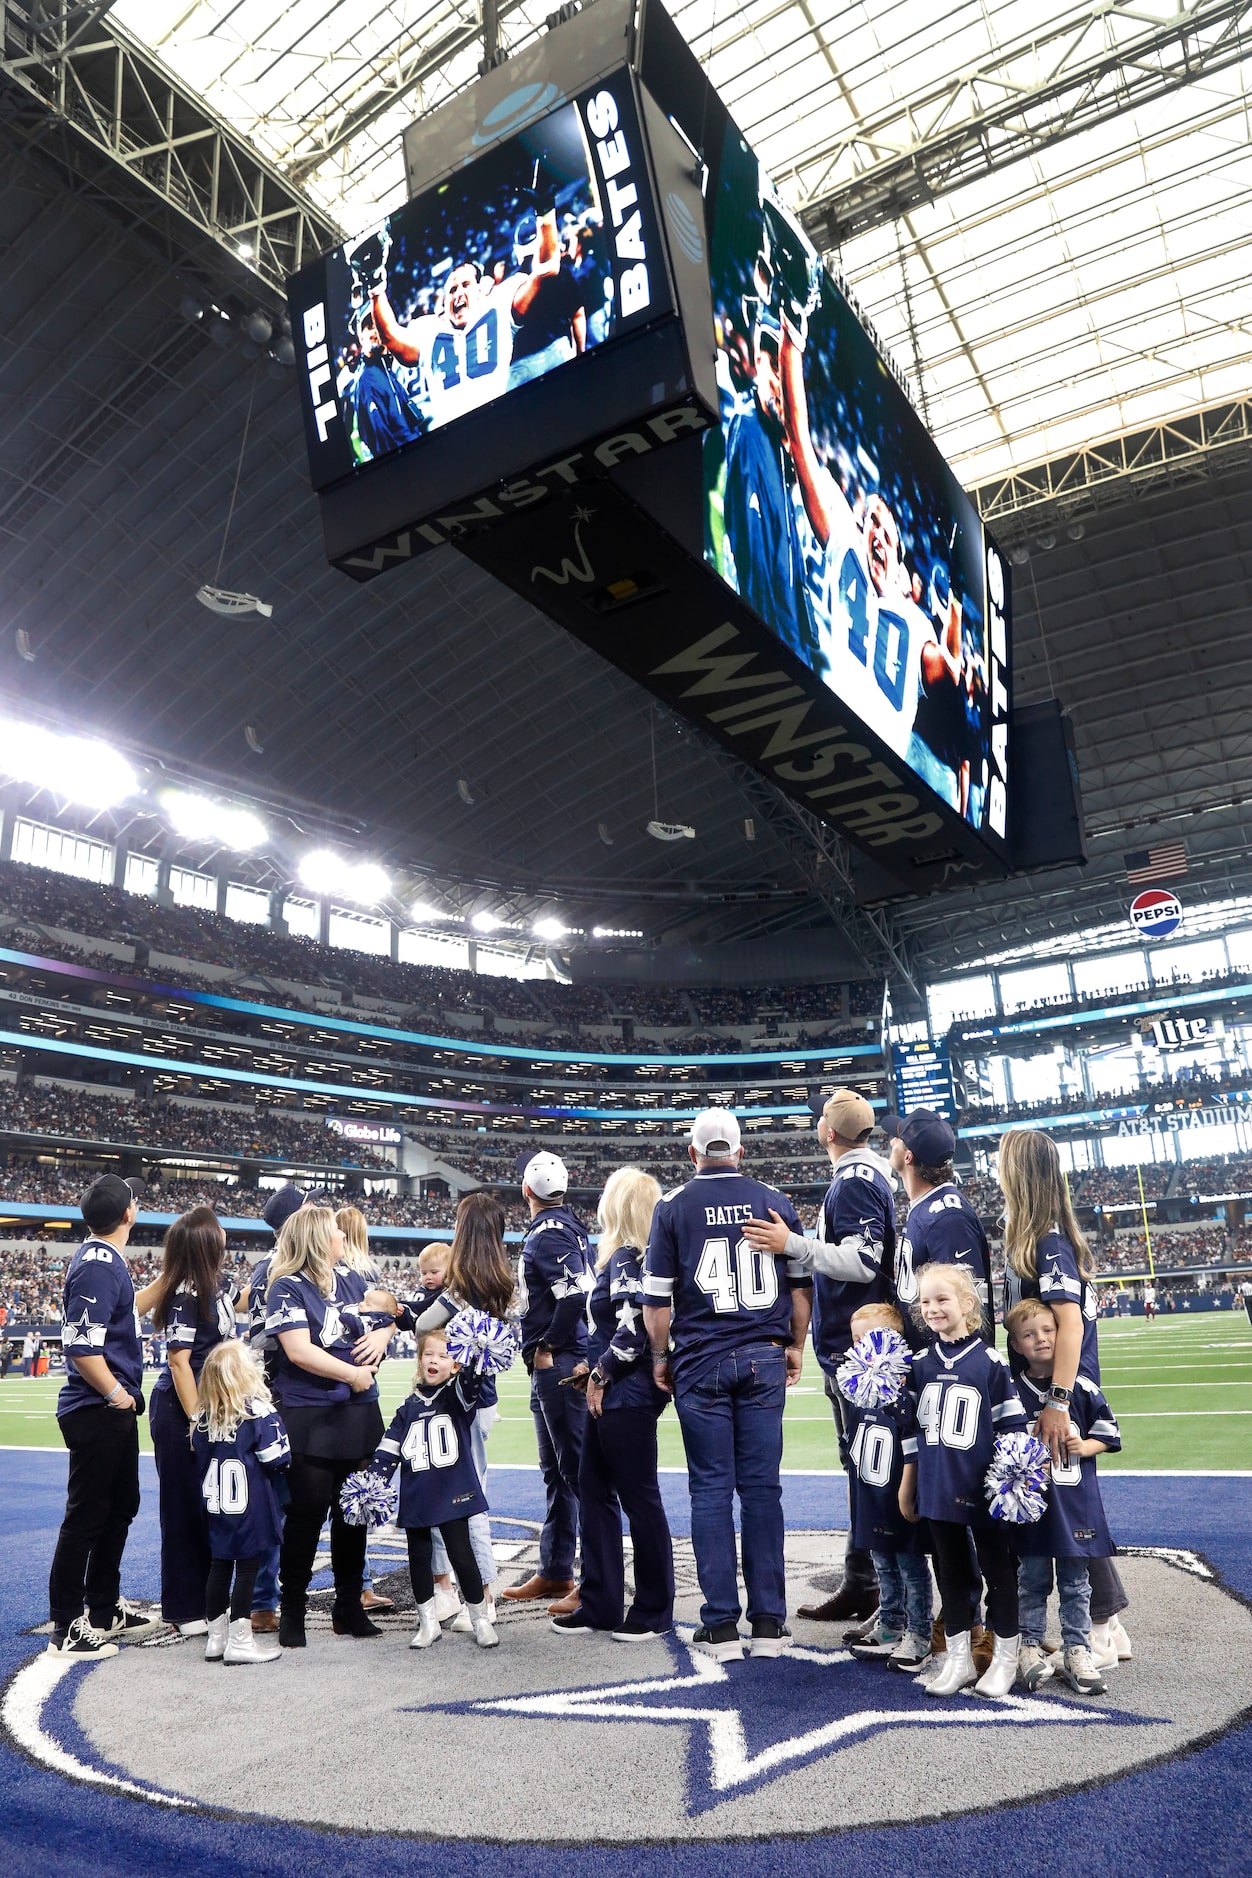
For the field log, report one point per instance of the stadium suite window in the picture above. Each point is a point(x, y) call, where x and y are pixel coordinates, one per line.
point(1176, 965)
point(63, 852)
point(493, 964)
point(249, 905)
point(423, 948)
point(188, 888)
point(1114, 972)
point(952, 999)
point(1036, 985)
point(357, 932)
point(141, 875)
point(301, 918)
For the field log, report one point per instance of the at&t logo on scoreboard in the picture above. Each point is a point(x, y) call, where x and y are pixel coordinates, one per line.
point(1156, 913)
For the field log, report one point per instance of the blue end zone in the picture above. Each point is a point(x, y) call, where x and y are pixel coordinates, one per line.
point(1187, 1815)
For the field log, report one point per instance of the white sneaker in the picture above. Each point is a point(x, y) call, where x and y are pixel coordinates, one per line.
point(1033, 1666)
point(1078, 1670)
point(246, 1645)
point(1102, 1647)
point(81, 1640)
point(198, 1627)
point(1001, 1672)
point(447, 1603)
point(127, 1625)
point(1120, 1640)
point(958, 1668)
point(484, 1630)
point(464, 1623)
point(218, 1633)
point(867, 1630)
point(428, 1630)
point(911, 1653)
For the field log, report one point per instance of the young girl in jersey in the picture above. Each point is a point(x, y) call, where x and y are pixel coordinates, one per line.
point(430, 1441)
point(1073, 1529)
point(962, 1396)
point(239, 1445)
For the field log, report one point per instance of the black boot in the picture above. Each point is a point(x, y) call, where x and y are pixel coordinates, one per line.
point(349, 1620)
point(291, 1624)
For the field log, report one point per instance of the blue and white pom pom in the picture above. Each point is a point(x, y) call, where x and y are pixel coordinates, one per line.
point(873, 1373)
point(1017, 1479)
point(477, 1341)
point(366, 1499)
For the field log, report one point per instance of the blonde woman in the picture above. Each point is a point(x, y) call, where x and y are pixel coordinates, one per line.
point(356, 1275)
point(617, 1469)
point(329, 1403)
point(1047, 1257)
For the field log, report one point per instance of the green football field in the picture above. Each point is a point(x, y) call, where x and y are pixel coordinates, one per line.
point(1181, 1389)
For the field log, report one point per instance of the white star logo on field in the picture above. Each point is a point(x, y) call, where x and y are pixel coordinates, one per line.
point(760, 1718)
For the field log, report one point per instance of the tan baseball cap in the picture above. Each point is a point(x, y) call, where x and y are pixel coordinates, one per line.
point(848, 1114)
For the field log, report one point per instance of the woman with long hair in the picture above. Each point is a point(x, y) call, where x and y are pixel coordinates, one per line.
point(617, 1470)
point(329, 1403)
point(1047, 1257)
point(192, 1304)
point(355, 1275)
point(478, 1274)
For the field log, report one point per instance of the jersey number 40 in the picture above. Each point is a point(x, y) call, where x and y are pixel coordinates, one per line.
point(742, 1279)
point(225, 1487)
point(949, 1415)
point(431, 1443)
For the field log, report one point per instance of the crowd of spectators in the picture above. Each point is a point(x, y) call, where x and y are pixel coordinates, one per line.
point(34, 894)
point(1186, 1087)
point(50, 1109)
point(1096, 1000)
point(1231, 1173)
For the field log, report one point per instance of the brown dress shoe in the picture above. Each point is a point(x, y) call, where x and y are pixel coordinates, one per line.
point(265, 1621)
point(981, 1644)
point(566, 1606)
point(370, 1601)
point(538, 1587)
point(938, 1638)
point(845, 1606)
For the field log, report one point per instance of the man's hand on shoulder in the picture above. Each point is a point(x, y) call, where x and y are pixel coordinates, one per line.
point(767, 1235)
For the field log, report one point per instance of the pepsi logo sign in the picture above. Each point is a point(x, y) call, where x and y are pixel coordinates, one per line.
point(1156, 913)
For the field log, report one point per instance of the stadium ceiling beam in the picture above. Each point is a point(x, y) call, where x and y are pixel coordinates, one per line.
point(825, 861)
point(1095, 62)
point(1184, 450)
point(86, 92)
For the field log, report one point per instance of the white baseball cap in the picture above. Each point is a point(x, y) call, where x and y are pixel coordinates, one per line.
point(545, 1175)
point(715, 1132)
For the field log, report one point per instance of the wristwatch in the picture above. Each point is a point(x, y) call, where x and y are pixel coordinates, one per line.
point(1060, 1397)
point(599, 1378)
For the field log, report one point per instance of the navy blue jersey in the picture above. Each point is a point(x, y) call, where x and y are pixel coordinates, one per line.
point(386, 416)
point(724, 1293)
point(617, 1340)
point(98, 1318)
point(438, 1308)
point(334, 1324)
point(1059, 1282)
point(429, 1441)
point(553, 1280)
point(944, 1229)
point(237, 1483)
point(258, 1308)
point(962, 1396)
point(187, 1330)
point(762, 530)
point(1073, 1523)
point(876, 1450)
point(859, 1212)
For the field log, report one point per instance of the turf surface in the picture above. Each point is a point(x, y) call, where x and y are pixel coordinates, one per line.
point(1181, 1389)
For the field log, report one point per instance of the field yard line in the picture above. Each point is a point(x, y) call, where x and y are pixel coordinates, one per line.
point(1231, 1383)
point(1182, 1415)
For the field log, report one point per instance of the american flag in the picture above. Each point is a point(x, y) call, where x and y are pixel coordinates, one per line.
point(1148, 865)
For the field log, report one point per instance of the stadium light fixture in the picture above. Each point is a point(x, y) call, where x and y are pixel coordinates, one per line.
point(549, 929)
point(425, 913)
point(201, 819)
point(485, 922)
point(363, 882)
point(74, 768)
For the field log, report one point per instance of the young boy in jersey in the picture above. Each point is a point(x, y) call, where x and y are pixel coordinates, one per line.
point(429, 1440)
point(897, 1547)
point(240, 1446)
point(1073, 1528)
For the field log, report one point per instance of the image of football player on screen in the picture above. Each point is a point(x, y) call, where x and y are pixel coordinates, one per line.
point(879, 650)
point(465, 347)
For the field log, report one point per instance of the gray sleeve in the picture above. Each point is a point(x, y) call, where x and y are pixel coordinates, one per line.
point(852, 1260)
point(434, 1317)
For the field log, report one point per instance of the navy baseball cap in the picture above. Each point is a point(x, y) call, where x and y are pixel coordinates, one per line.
point(927, 1137)
point(281, 1205)
point(891, 1125)
point(107, 1201)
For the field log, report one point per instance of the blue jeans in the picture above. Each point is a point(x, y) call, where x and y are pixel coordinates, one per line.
point(560, 1415)
point(1073, 1585)
point(480, 1523)
point(904, 1592)
point(265, 1590)
point(732, 1423)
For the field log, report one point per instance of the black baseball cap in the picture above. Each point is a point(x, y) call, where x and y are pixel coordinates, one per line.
point(927, 1137)
point(108, 1200)
point(281, 1205)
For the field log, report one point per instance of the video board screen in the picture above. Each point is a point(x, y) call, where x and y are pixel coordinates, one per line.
point(830, 511)
point(543, 248)
point(923, 1077)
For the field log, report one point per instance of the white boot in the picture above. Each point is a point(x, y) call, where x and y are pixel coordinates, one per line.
point(245, 1645)
point(1103, 1648)
point(464, 1623)
point(428, 1630)
point(484, 1630)
point(219, 1628)
point(1001, 1672)
point(958, 1667)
